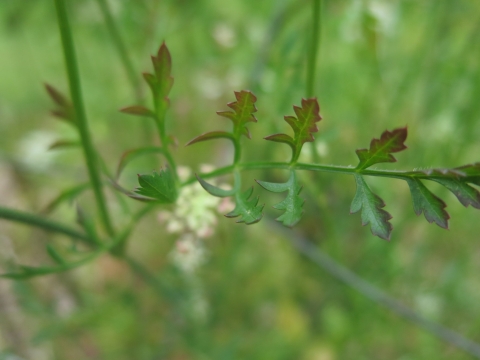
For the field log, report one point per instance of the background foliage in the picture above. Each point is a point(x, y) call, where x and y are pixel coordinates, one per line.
point(382, 64)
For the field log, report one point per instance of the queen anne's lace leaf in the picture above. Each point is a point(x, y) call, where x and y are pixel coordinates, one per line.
point(381, 149)
point(293, 204)
point(303, 126)
point(242, 113)
point(424, 201)
point(372, 212)
point(159, 186)
point(248, 210)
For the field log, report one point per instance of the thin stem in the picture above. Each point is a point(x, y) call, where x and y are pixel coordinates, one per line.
point(312, 60)
point(80, 115)
point(40, 222)
point(314, 47)
point(341, 273)
point(121, 48)
point(263, 165)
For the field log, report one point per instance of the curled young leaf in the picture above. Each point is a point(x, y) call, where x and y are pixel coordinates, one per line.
point(372, 212)
point(424, 201)
point(381, 149)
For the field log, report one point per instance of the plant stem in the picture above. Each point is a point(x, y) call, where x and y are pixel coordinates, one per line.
point(37, 221)
point(121, 48)
point(262, 165)
point(314, 46)
point(80, 115)
point(312, 60)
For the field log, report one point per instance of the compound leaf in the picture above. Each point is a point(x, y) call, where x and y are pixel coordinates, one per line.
point(303, 126)
point(248, 210)
point(160, 186)
point(424, 201)
point(242, 113)
point(293, 204)
point(381, 149)
point(372, 212)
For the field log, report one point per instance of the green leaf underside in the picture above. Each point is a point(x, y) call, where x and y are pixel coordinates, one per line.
point(138, 110)
point(381, 149)
point(242, 113)
point(216, 191)
point(130, 155)
point(372, 212)
point(424, 201)
point(466, 194)
point(293, 204)
point(212, 135)
point(161, 81)
point(248, 210)
point(159, 186)
point(303, 126)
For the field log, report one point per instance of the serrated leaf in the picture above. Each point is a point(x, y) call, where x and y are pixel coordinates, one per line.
point(381, 149)
point(210, 136)
point(248, 210)
point(130, 155)
point(372, 212)
point(64, 108)
point(138, 110)
point(216, 191)
point(466, 194)
point(424, 201)
point(304, 125)
point(293, 204)
point(159, 186)
point(242, 113)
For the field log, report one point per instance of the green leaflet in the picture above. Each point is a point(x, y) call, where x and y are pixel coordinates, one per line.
point(242, 113)
point(248, 210)
point(216, 191)
point(303, 126)
point(466, 194)
point(424, 201)
point(160, 186)
point(293, 204)
point(64, 108)
point(381, 149)
point(372, 212)
point(161, 81)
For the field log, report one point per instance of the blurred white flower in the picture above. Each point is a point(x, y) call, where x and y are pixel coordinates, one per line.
point(224, 35)
point(195, 212)
point(188, 253)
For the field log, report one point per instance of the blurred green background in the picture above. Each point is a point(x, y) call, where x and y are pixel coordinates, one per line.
point(382, 65)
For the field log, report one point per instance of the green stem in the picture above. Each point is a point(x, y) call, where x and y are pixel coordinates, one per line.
point(37, 221)
point(312, 60)
point(314, 46)
point(80, 116)
point(121, 48)
point(263, 165)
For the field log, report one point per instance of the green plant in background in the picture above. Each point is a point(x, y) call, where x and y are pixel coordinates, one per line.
point(166, 186)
